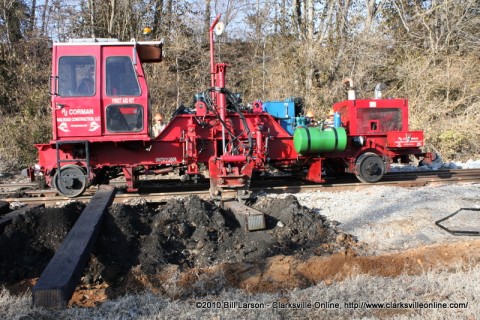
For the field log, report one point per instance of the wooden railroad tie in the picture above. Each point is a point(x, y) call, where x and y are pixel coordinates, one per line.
point(58, 281)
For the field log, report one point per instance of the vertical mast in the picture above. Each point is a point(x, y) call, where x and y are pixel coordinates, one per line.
point(217, 73)
point(212, 50)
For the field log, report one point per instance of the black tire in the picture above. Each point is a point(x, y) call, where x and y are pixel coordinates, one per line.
point(370, 168)
point(73, 181)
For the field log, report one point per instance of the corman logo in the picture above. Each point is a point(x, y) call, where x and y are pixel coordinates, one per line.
point(93, 126)
point(64, 127)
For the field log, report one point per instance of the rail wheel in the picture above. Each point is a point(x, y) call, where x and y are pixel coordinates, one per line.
point(370, 168)
point(70, 181)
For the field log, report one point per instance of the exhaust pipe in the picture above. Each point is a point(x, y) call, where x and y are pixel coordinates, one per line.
point(351, 90)
point(378, 90)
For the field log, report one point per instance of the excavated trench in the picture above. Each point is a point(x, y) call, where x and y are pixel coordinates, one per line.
point(180, 240)
point(190, 247)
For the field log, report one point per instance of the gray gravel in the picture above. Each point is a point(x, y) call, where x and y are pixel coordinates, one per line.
point(394, 218)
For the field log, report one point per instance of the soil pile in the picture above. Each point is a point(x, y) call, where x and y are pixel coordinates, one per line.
point(4, 207)
point(192, 233)
point(301, 231)
point(30, 241)
point(152, 239)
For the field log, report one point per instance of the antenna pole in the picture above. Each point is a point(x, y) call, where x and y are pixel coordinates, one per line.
point(212, 50)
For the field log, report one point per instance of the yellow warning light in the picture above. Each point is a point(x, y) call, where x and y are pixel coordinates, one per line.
point(147, 30)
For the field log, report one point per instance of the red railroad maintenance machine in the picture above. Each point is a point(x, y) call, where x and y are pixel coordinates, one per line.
point(101, 120)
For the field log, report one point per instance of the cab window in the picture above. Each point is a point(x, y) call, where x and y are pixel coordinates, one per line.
point(121, 77)
point(124, 118)
point(372, 120)
point(76, 76)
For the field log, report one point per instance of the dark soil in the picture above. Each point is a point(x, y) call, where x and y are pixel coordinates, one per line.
point(30, 241)
point(186, 233)
point(4, 207)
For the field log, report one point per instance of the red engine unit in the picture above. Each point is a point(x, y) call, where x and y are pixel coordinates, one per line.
point(101, 121)
point(378, 135)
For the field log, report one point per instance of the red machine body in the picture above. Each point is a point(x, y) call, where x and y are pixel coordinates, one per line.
point(380, 127)
point(101, 119)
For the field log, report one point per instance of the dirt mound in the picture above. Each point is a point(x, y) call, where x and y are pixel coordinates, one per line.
point(30, 241)
point(149, 244)
point(4, 207)
point(193, 233)
point(299, 230)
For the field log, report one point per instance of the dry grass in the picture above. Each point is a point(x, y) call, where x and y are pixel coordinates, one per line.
point(18, 134)
point(438, 286)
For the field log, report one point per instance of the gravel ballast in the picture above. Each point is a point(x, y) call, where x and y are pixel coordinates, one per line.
point(394, 218)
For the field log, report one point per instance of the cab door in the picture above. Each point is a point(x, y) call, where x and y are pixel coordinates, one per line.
point(124, 94)
point(76, 98)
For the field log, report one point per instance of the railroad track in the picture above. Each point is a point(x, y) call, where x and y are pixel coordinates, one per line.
point(276, 186)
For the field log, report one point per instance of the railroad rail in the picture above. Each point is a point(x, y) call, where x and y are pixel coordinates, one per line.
point(276, 186)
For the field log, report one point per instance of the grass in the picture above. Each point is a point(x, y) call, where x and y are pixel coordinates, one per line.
point(461, 285)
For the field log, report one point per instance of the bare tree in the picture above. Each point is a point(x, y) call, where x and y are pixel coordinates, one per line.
point(439, 25)
point(297, 17)
point(206, 21)
point(13, 14)
point(310, 55)
point(341, 31)
point(169, 16)
point(44, 17)
point(91, 8)
point(113, 6)
point(31, 23)
point(373, 7)
point(157, 17)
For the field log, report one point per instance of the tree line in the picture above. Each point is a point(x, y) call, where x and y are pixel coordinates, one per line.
point(423, 50)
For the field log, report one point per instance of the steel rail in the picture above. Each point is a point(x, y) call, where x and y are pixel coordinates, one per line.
point(295, 186)
point(387, 176)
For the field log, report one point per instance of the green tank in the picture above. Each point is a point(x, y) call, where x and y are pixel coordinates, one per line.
point(307, 140)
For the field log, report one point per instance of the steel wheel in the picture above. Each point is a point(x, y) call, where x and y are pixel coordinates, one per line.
point(370, 168)
point(72, 181)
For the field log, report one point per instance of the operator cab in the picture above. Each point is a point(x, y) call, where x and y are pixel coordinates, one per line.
point(99, 89)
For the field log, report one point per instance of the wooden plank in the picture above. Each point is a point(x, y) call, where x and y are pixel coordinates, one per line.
point(58, 281)
point(6, 219)
point(248, 218)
